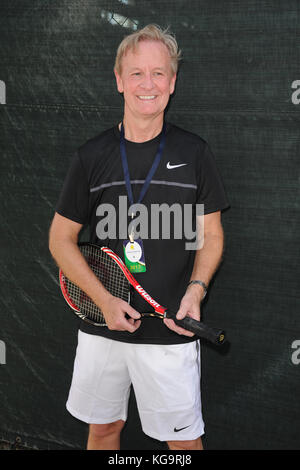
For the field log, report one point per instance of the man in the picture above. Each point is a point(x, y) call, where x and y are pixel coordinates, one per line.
point(160, 359)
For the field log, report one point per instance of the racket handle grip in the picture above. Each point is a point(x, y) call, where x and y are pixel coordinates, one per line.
point(214, 335)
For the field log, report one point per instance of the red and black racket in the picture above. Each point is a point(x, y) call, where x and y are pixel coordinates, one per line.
point(118, 280)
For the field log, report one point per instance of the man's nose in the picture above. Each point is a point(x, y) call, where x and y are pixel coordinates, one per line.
point(147, 83)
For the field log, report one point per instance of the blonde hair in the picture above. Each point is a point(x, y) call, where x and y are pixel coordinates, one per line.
point(150, 32)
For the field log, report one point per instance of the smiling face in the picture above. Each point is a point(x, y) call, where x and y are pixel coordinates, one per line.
point(146, 80)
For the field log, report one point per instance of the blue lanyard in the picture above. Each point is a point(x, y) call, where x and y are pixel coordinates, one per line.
point(151, 171)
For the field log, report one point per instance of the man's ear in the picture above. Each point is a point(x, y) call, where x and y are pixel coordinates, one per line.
point(172, 84)
point(119, 82)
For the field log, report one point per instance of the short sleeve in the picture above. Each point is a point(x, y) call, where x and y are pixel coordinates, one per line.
point(210, 191)
point(73, 201)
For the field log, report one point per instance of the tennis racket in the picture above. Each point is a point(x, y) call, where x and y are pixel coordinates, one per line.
point(119, 281)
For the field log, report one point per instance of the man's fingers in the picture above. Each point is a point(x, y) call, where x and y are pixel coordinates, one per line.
point(133, 325)
point(122, 317)
point(192, 311)
point(132, 313)
point(180, 314)
point(178, 329)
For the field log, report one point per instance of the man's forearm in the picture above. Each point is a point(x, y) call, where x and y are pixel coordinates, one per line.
point(208, 258)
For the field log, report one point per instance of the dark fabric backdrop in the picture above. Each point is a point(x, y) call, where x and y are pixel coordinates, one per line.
point(235, 90)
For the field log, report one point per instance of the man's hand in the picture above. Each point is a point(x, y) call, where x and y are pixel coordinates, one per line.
point(190, 307)
point(115, 310)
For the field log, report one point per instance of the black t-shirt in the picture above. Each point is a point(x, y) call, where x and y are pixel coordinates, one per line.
point(186, 175)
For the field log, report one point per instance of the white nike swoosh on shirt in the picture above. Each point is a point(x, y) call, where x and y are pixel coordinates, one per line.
point(171, 167)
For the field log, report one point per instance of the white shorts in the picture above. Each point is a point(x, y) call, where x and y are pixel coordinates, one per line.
point(165, 378)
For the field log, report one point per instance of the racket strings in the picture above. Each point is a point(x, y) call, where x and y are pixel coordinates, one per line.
point(110, 275)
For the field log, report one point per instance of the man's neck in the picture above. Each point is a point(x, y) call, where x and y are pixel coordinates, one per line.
point(141, 130)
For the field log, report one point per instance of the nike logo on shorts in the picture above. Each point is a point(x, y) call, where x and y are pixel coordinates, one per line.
point(171, 167)
point(180, 429)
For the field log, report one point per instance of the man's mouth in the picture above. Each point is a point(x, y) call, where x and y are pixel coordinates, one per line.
point(146, 97)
